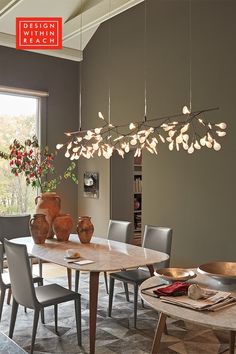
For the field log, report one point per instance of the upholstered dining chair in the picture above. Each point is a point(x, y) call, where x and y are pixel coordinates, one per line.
point(5, 283)
point(13, 226)
point(24, 292)
point(156, 238)
point(120, 231)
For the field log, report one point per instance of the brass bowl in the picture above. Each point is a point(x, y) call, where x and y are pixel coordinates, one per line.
point(175, 274)
point(222, 271)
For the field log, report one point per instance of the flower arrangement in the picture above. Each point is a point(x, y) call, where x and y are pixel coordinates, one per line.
point(36, 165)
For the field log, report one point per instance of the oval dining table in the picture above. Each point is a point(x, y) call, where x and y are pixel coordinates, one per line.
point(106, 256)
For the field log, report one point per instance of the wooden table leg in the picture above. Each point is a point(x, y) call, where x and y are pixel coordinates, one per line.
point(159, 330)
point(93, 301)
point(69, 277)
point(231, 342)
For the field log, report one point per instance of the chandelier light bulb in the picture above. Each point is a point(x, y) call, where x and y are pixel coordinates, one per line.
point(185, 110)
point(185, 128)
point(67, 154)
point(172, 133)
point(69, 146)
point(186, 137)
point(133, 142)
point(179, 139)
point(208, 144)
point(220, 133)
point(201, 121)
point(171, 146)
point(59, 146)
point(203, 141)
point(142, 139)
point(132, 126)
point(98, 130)
point(191, 149)
point(221, 125)
point(127, 148)
point(79, 139)
point(209, 137)
point(185, 146)
point(216, 146)
point(100, 115)
point(197, 145)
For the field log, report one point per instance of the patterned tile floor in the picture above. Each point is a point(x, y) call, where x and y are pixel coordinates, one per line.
point(114, 335)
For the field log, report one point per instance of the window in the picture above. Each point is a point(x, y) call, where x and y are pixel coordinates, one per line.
point(19, 119)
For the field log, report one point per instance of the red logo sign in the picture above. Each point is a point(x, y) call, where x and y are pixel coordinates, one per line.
point(38, 33)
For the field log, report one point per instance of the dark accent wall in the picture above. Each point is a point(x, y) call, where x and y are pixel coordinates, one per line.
point(193, 194)
point(61, 79)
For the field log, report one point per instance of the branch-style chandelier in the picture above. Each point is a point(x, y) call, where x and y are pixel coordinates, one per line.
point(189, 130)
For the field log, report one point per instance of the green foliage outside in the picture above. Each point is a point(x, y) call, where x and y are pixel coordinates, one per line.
point(15, 196)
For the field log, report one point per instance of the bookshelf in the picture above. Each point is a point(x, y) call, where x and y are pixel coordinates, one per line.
point(137, 193)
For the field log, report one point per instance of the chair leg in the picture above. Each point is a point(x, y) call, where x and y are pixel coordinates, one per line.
point(55, 316)
point(13, 317)
point(111, 291)
point(9, 296)
point(40, 283)
point(69, 277)
point(42, 316)
point(40, 263)
point(126, 291)
point(78, 320)
point(106, 283)
point(2, 298)
point(77, 274)
point(135, 303)
point(35, 325)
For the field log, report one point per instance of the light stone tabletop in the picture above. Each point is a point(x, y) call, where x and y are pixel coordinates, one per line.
point(106, 255)
point(224, 319)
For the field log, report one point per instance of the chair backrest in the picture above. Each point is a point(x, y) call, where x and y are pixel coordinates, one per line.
point(20, 274)
point(159, 239)
point(1, 264)
point(13, 226)
point(119, 231)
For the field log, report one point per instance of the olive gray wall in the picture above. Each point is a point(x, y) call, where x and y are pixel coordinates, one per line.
point(61, 79)
point(193, 194)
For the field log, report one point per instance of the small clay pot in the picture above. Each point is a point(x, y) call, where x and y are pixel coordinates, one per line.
point(39, 228)
point(85, 229)
point(62, 226)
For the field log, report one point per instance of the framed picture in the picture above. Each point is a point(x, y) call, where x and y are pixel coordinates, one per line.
point(91, 184)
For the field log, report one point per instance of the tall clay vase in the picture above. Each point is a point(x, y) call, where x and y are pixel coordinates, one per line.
point(85, 229)
point(48, 203)
point(62, 226)
point(39, 228)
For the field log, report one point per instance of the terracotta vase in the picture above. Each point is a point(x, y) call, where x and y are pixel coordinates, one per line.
point(39, 228)
point(62, 226)
point(85, 229)
point(49, 204)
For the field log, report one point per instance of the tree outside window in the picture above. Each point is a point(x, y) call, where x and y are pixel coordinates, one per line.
point(18, 120)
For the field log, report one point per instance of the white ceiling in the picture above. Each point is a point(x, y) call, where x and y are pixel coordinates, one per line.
point(80, 18)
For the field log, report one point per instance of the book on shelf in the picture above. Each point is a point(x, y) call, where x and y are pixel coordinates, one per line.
point(137, 185)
